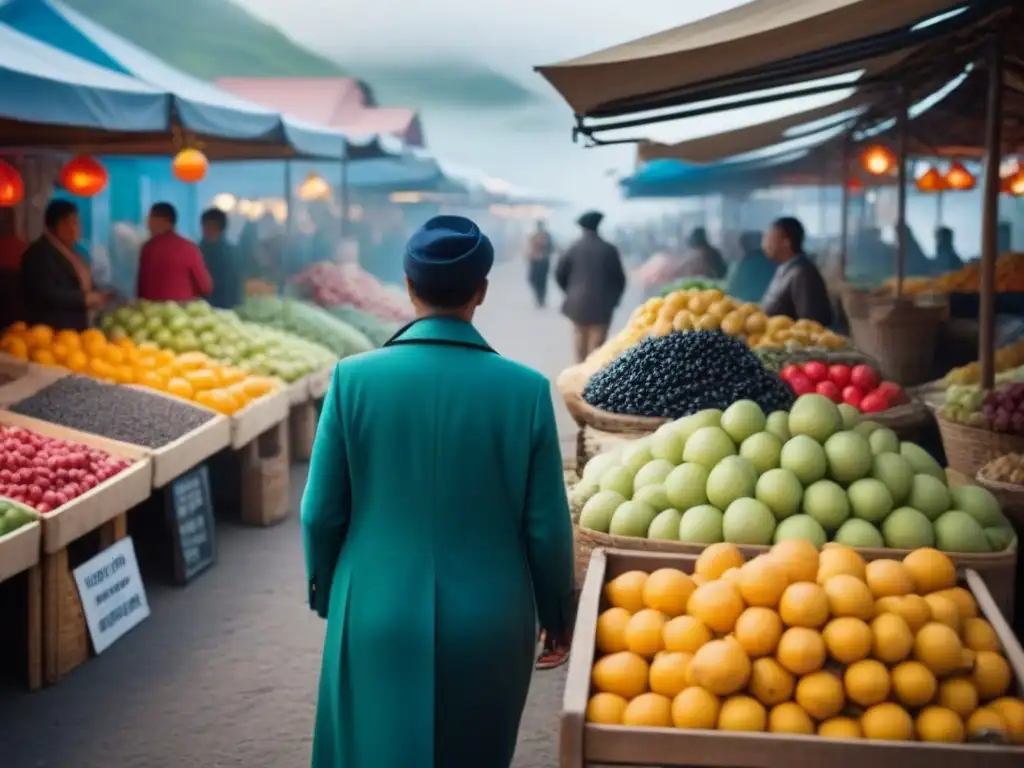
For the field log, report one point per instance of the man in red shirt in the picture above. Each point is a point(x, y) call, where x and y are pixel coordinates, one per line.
point(171, 267)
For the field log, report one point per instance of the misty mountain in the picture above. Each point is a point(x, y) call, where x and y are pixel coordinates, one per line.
point(217, 38)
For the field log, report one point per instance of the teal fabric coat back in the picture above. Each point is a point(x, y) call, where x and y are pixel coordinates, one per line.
point(437, 532)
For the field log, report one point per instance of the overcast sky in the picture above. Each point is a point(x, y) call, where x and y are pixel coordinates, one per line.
point(511, 34)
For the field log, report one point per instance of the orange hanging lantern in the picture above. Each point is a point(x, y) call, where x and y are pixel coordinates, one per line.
point(959, 179)
point(190, 166)
point(878, 160)
point(931, 181)
point(1014, 183)
point(83, 176)
point(12, 188)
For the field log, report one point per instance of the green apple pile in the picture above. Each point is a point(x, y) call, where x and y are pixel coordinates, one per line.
point(306, 320)
point(221, 335)
point(818, 473)
point(13, 516)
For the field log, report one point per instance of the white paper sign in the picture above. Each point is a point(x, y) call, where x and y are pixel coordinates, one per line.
point(113, 595)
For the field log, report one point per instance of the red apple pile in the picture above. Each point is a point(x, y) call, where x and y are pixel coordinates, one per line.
point(860, 385)
point(45, 473)
point(1004, 409)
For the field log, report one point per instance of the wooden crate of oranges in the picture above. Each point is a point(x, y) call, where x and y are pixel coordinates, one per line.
point(794, 657)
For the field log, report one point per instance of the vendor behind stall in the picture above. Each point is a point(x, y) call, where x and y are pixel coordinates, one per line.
point(171, 267)
point(797, 290)
point(56, 282)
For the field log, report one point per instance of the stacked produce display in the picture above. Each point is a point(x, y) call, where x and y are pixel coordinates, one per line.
point(376, 330)
point(999, 410)
point(1008, 359)
point(712, 310)
point(682, 373)
point(44, 474)
point(859, 386)
point(967, 279)
point(800, 642)
point(330, 285)
point(219, 334)
point(189, 375)
point(307, 321)
point(1005, 469)
point(816, 473)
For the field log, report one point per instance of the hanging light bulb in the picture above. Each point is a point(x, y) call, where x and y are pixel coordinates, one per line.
point(959, 179)
point(1014, 183)
point(12, 188)
point(878, 160)
point(930, 181)
point(314, 187)
point(83, 176)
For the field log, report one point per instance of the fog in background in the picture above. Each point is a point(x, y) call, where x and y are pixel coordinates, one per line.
point(529, 144)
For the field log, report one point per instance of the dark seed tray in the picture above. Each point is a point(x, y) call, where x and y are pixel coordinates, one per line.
point(116, 412)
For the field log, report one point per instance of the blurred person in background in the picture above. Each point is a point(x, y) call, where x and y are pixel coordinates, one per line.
point(752, 272)
point(539, 249)
point(797, 289)
point(702, 259)
point(171, 267)
point(221, 260)
point(591, 276)
point(946, 257)
point(56, 282)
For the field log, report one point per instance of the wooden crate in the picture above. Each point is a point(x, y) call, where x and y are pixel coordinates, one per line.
point(302, 423)
point(258, 417)
point(29, 378)
point(582, 744)
point(20, 554)
point(265, 477)
point(319, 382)
point(298, 391)
point(87, 525)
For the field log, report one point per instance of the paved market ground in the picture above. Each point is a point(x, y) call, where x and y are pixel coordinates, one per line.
point(223, 674)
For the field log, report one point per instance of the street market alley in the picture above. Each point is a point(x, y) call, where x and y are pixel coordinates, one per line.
point(223, 674)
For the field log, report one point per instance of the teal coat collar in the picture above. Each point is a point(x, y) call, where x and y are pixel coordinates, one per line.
point(440, 331)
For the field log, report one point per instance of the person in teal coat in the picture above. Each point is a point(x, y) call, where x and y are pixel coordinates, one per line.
point(436, 530)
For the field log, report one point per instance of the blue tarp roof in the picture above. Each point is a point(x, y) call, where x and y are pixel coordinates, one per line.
point(42, 85)
point(199, 106)
point(675, 178)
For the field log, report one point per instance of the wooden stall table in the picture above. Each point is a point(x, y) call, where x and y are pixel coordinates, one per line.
point(260, 442)
point(20, 556)
point(73, 534)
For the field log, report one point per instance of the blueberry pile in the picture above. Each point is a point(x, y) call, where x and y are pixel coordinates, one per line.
point(684, 372)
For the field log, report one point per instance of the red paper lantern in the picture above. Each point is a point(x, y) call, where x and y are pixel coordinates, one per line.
point(190, 166)
point(12, 188)
point(878, 160)
point(854, 184)
point(959, 179)
point(931, 181)
point(83, 176)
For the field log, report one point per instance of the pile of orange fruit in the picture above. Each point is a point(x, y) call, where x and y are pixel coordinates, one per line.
point(191, 376)
point(800, 642)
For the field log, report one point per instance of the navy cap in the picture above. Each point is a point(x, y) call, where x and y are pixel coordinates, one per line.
point(590, 220)
point(448, 251)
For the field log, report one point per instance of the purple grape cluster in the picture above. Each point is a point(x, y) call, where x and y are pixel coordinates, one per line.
point(1004, 408)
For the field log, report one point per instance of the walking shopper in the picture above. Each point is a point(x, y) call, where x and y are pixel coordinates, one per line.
point(702, 258)
point(797, 290)
point(591, 276)
point(753, 272)
point(432, 581)
point(538, 253)
point(171, 267)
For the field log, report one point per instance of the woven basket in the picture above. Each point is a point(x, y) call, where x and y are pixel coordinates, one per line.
point(968, 449)
point(907, 421)
point(570, 384)
point(1010, 498)
point(592, 441)
point(902, 334)
point(998, 569)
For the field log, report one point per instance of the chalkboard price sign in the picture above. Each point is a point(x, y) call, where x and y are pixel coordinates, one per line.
point(191, 523)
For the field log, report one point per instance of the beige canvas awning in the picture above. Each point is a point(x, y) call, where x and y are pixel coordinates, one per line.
point(712, 149)
point(741, 40)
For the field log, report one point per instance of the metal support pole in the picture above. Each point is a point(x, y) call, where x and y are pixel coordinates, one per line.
point(902, 233)
point(285, 254)
point(844, 207)
point(990, 214)
point(343, 197)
